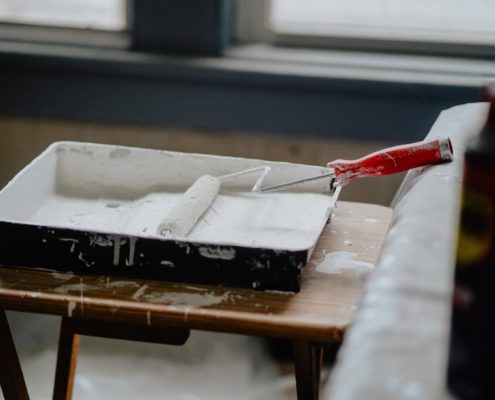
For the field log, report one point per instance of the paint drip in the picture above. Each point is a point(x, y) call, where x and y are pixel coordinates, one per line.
point(338, 262)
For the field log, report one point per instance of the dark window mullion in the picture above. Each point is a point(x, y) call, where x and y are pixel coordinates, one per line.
point(180, 26)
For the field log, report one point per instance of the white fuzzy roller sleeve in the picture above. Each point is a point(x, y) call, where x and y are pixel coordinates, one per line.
point(190, 207)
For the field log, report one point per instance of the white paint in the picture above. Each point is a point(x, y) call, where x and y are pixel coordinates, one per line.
point(255, 264)
point(187, 309)
point(70, 308)
point(338, 262)
point(284, 293)
point(201, 289)
point(132, 250)
point(167, 263)
point(73, 241)
point(116, 250)
point(217, 253)
point(81, 256)
point(186, 299)
point(349, 242)
point(64, 276)
point(273, 220)
point(138, 293)
point(75, 183)
point(75, 287)
point(100, 240)
point(184, 245)
point(122, 284)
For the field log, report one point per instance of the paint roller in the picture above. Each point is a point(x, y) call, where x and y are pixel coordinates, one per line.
point(198, 198)
point(200, 195)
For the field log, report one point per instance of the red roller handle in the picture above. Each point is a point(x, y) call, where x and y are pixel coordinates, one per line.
point(393, 159)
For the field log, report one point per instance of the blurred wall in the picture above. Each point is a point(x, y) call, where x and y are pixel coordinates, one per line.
point(21, 139)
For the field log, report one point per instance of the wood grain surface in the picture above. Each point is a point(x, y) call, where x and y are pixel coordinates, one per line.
point(320, 312)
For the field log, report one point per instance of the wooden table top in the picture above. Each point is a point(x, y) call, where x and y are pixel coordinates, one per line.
point(320, 312)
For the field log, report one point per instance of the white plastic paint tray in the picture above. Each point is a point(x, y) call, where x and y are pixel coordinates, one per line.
point(93, 208)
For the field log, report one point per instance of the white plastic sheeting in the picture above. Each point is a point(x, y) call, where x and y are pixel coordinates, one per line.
point(397, 347)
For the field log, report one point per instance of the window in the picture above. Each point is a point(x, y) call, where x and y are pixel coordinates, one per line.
point(157, 72)
point(431, 26)
point(147, 26)
point(87, 23)
point(89, 14)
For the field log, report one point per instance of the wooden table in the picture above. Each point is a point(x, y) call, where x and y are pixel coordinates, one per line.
point(119, 308)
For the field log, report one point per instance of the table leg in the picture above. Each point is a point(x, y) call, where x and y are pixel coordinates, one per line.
point(68, 349)
point(307, 363)
point(11, 378)
point(72, 328)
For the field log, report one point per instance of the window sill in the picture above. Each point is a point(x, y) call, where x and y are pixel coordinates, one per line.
point(23, 34)
point(418, 69)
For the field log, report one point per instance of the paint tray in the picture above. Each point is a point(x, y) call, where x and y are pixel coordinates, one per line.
point(94, 209)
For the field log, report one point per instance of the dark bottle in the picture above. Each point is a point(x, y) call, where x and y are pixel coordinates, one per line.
point(472, 339)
